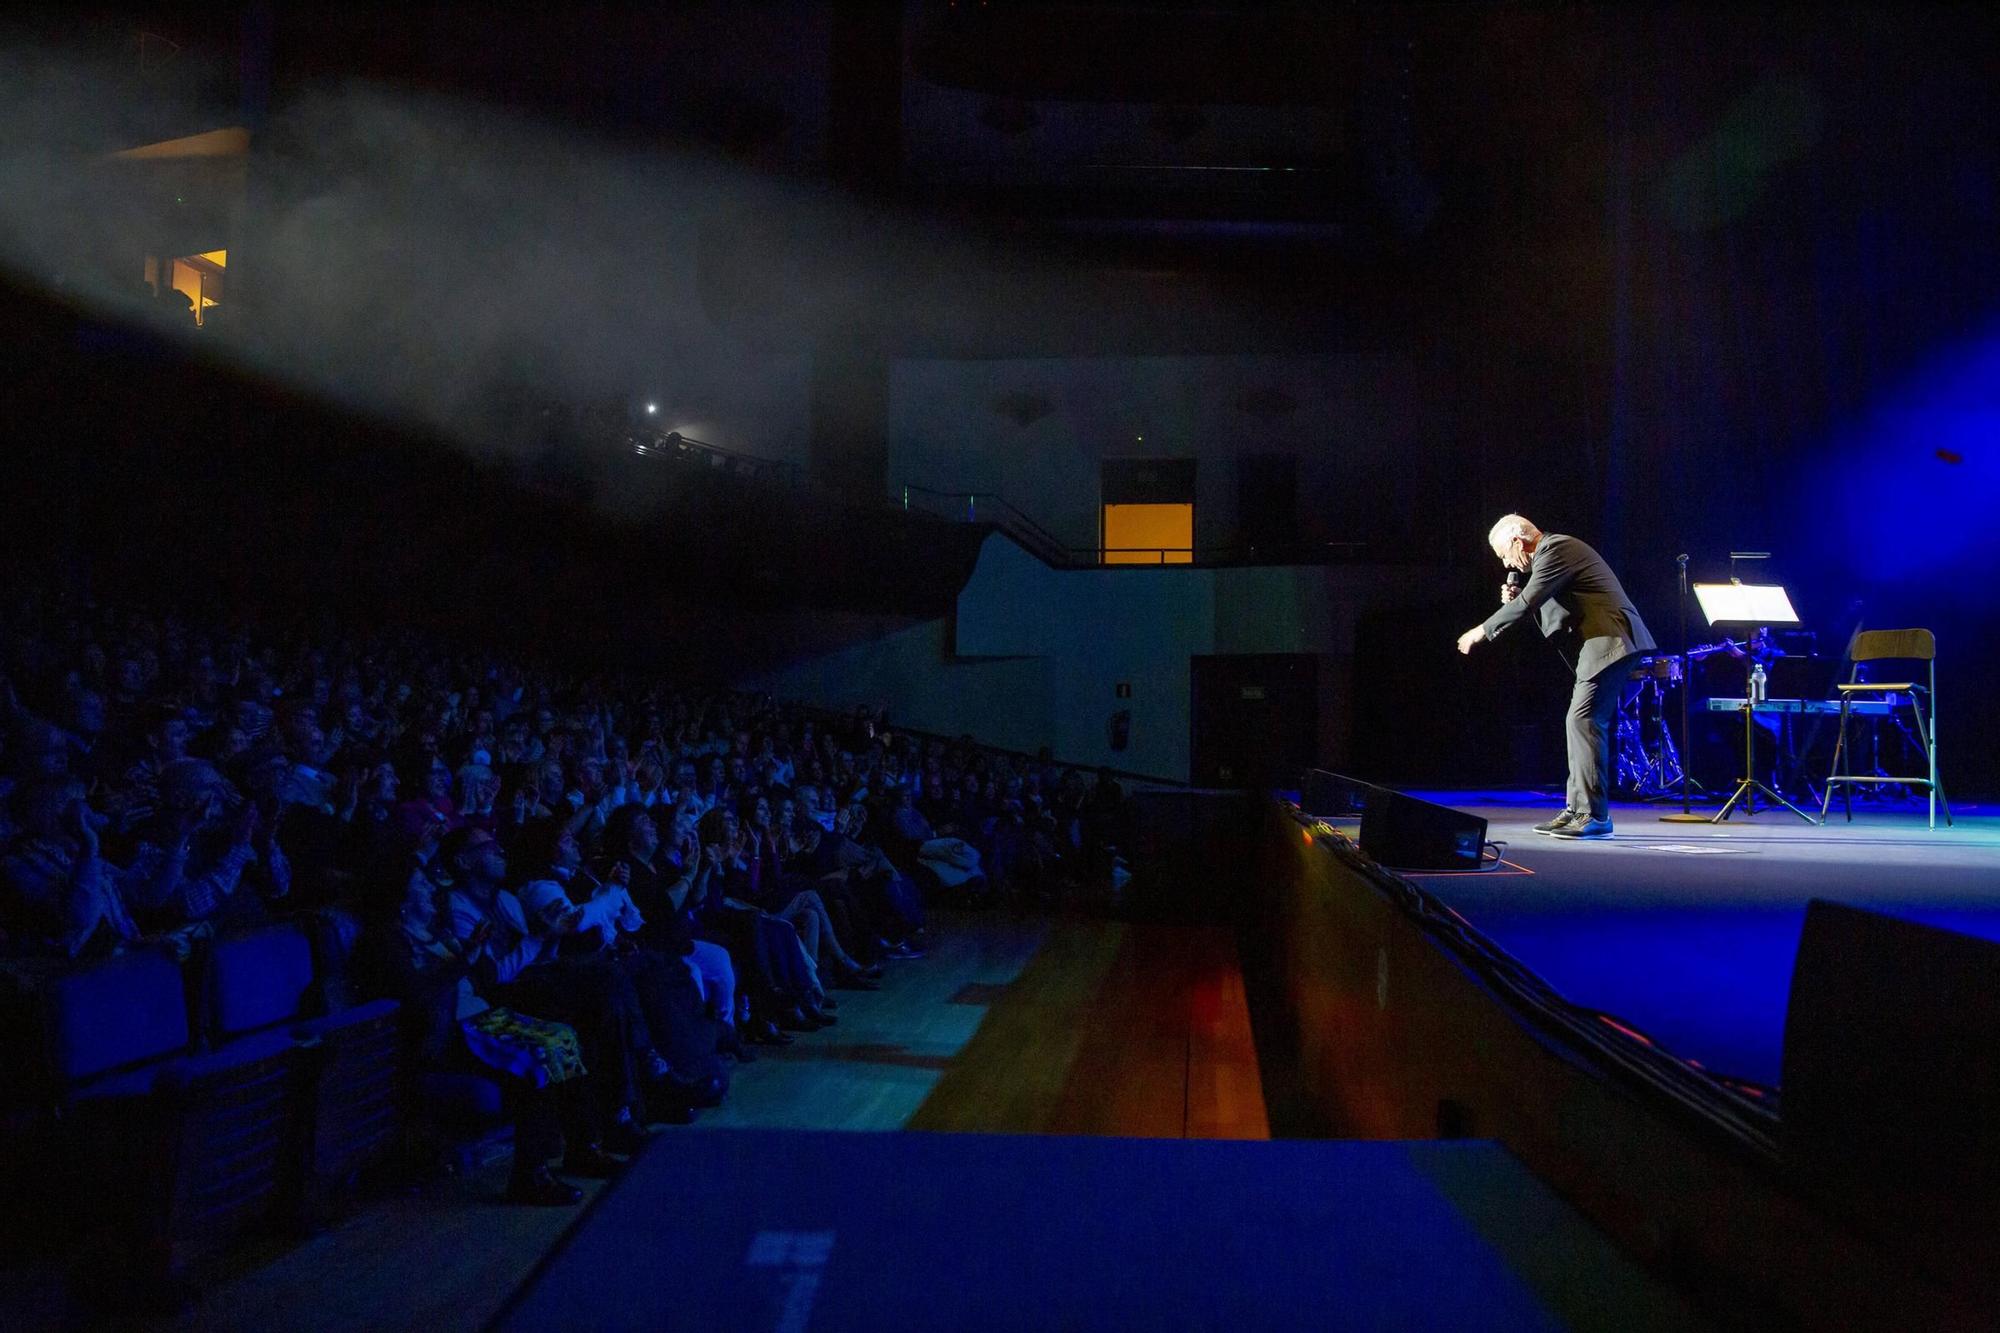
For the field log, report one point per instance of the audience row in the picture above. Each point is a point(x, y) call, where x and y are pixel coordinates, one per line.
point(589, 888)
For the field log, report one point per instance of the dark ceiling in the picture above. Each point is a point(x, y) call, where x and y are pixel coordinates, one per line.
point(1401, 164)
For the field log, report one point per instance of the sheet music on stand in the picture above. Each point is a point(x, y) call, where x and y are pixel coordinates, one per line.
point(1745, 604)
point(1759, 604)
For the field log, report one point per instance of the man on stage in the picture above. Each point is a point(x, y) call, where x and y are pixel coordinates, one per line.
point(1576, 600)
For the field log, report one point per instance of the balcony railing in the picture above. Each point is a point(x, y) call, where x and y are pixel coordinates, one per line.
point(990, 508)
point(679, 448)
point(995, 510)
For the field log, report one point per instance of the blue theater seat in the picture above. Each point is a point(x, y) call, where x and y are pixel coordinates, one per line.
point(354, 1102)
point(456, 1115)
point(111, 1023)
point(354, 1115)
point(185, 1151)
point(75, 1034)
point(209, 1100)
point(268, 984)
point(208, 1142)
point(258, 981)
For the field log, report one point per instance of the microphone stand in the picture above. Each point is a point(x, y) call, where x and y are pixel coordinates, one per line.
point(1686, 814)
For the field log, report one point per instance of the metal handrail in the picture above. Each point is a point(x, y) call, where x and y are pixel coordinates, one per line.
point(990, 507)
point(685, 448)
point(992, 500)
point(995, 509)
point(1005, 516)
point(1293, 553)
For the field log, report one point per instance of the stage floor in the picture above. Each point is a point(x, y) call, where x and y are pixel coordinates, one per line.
point(763, 1230)
point(1688, 932)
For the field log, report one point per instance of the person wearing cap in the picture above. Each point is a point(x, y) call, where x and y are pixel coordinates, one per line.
point(522, 967)
point(538, 1063)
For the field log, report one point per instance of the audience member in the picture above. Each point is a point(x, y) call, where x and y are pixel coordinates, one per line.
point(695, 872)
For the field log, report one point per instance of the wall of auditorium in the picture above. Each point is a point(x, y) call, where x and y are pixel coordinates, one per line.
point(1364, 428)
point(1034, 655)
point(913, 672)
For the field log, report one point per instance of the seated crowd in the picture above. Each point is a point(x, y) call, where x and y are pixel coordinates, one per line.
point(591, 889)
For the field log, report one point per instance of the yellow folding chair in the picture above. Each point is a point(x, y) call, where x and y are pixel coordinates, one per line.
point(1877, 645)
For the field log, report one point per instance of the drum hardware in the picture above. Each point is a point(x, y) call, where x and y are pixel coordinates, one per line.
point(1649, 772)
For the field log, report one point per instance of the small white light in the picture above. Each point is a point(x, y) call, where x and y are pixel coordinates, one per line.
point(652, 408)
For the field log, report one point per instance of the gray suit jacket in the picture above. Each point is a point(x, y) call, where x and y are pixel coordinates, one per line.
point(1572, 593)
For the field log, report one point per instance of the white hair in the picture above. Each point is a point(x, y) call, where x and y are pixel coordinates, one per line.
point(1510, 527)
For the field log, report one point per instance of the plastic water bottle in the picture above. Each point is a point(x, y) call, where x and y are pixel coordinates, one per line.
point(1758, 686)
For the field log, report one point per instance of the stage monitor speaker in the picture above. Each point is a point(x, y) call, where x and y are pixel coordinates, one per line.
point(1329, 795)
point(1891, 1096)
point(1408, 833)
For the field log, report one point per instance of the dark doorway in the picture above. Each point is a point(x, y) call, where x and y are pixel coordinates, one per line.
point(1256, 718)
point(1267, 503)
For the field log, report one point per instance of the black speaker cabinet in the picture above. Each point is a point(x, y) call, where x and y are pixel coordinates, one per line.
point(1891, 1095)
point(1407, 833)
point(1332, 796)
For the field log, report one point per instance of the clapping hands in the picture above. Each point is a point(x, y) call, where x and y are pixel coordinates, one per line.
point(83, 824)
point(245, 827)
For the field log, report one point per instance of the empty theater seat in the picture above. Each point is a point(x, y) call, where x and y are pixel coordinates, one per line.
point(108, 1026)
point(205, 1100)
point(184, 1152)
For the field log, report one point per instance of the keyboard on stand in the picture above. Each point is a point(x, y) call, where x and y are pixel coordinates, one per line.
point(1831, 707)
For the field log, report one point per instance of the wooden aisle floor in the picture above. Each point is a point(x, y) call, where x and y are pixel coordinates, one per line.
point(1133, 1030)
point(891, 1047)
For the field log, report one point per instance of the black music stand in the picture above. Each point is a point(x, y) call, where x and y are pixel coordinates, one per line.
point(1752, 604)
point(1686, 814)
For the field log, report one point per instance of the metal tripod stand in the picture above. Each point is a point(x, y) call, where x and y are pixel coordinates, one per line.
point(1748, 786)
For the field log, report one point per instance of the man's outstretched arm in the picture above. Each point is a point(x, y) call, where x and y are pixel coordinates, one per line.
point(1551, 574)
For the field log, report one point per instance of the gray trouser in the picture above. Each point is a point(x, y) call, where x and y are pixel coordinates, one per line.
point(1592, 706)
